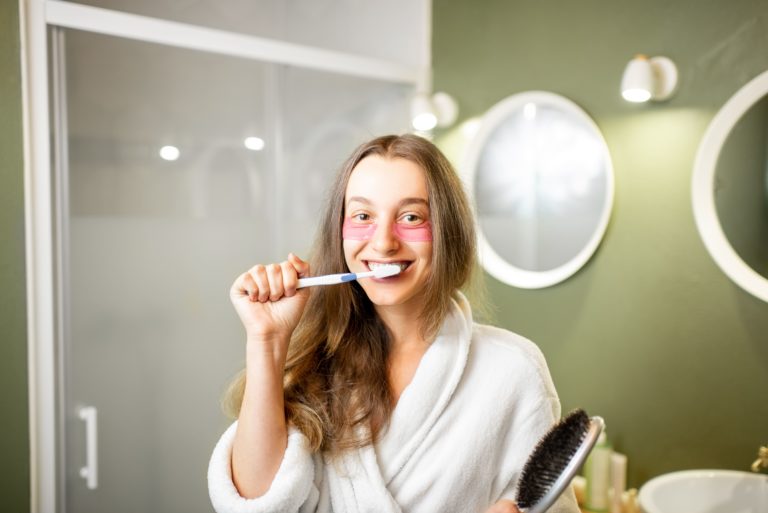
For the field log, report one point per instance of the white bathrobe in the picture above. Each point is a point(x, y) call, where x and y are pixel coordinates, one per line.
point(462, 429)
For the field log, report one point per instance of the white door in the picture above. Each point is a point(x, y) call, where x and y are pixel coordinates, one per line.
point(150, 245)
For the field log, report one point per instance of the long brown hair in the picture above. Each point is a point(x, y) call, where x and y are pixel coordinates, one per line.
point(335, 379)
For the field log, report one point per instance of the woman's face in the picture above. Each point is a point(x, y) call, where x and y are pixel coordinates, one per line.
point(386, 220)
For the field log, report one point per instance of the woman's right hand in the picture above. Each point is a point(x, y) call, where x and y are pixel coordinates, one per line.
point(267, 302)
point(504, 506)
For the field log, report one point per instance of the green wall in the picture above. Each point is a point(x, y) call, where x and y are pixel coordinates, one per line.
point(14, 426)
point(650, 334)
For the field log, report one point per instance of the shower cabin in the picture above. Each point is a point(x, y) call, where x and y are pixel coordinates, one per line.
point(187, 142)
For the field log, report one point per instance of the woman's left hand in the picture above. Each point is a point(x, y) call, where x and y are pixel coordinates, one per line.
point(504, 506)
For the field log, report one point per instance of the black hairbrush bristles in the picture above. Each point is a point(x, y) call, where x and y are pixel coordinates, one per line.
point(551, 458)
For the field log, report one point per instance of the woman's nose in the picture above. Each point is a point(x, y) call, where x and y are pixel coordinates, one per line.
point(384, 240)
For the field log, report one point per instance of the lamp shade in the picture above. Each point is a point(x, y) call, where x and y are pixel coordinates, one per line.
point(430, 111)
point(446, 107)
point(637, 82)
point(646, 79)
point(423, 117)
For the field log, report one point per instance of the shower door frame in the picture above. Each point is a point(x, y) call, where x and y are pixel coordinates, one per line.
point(43, 245)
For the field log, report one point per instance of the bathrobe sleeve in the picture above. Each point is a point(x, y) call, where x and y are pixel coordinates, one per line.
point(537, 408)
point(293, 490)
point(528, 436)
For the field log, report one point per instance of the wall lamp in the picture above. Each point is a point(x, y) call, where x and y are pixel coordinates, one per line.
point(429, 111)
point(649, 78)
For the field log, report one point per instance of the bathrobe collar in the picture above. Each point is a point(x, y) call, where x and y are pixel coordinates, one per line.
point(358, 480)
point(430, 390)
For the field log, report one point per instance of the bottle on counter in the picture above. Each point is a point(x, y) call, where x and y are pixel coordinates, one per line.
point(618, 481)
point(597, 471)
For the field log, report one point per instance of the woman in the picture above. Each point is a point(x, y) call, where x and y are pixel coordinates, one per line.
point(382, 394)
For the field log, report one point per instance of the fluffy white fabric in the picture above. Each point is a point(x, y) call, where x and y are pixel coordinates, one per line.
point(289, 489)
point(461, 431)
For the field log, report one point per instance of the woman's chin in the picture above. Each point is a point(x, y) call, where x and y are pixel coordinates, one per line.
point(390, 298)
point(385, 299)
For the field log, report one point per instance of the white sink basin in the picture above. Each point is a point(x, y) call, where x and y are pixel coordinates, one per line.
point(706, 491)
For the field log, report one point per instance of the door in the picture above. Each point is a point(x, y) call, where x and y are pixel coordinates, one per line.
point(160, 206)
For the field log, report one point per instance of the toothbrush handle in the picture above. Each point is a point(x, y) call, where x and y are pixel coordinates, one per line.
point(328, 279)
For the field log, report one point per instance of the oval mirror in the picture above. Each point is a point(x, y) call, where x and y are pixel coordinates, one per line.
point(541, 177)
point(730, 188)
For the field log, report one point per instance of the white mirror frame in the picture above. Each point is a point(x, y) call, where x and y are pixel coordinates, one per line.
point(489, 258)
point(702, 188)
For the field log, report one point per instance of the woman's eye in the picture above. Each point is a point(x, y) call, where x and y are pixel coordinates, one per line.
point(361, 217)
point(411, 218)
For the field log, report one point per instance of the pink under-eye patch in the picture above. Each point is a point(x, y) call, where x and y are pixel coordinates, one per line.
point(420, 233)
point(356, 231)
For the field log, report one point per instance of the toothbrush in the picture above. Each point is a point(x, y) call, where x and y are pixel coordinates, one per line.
point(382, 271)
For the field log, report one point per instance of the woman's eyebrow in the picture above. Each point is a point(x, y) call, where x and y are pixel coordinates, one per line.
point(411, 201)
point(401, 203)
point(359, 199)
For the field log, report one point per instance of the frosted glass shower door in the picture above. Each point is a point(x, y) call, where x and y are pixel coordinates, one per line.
point(149, 246)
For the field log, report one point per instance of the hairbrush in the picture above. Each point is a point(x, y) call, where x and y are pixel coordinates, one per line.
point(555, 460)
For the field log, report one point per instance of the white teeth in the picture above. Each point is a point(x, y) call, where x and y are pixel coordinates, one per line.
point(375, 265)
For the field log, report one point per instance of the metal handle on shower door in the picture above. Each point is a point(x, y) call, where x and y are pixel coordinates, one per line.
point(90, 472)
